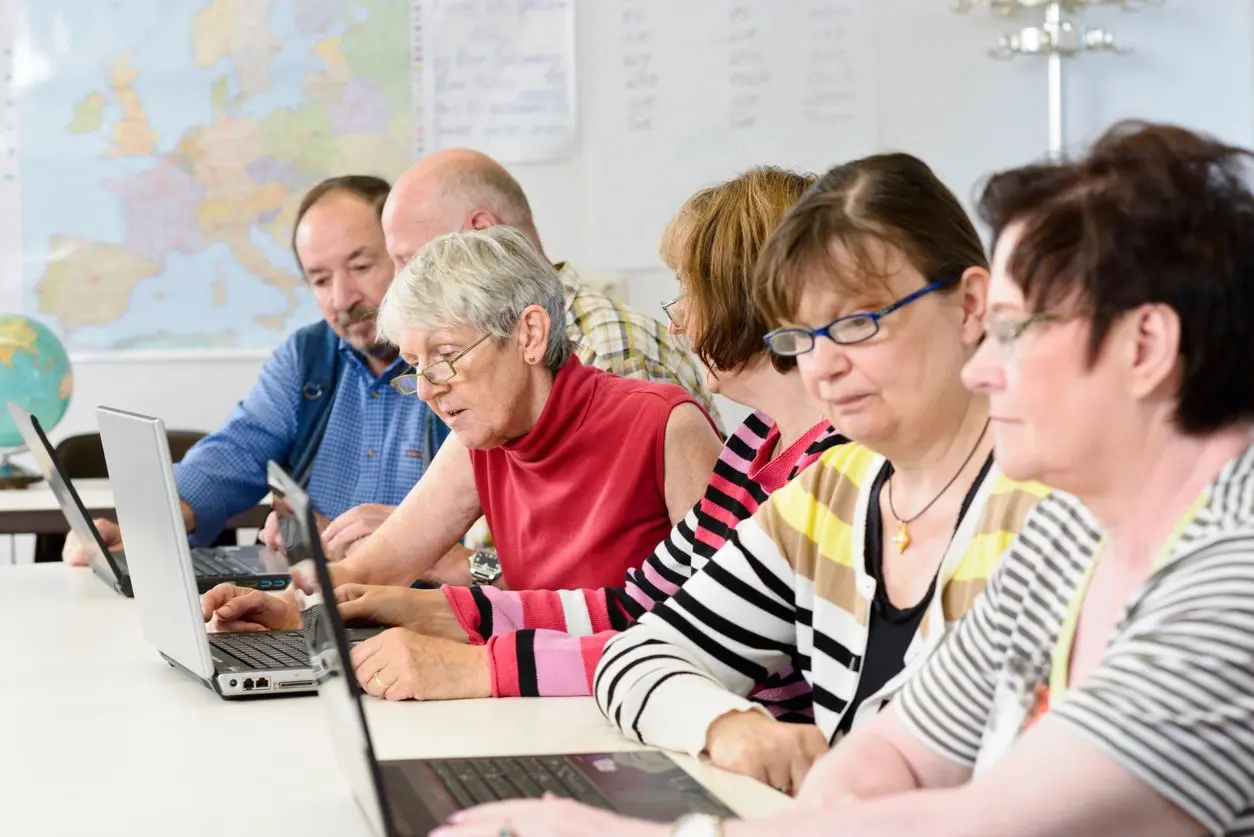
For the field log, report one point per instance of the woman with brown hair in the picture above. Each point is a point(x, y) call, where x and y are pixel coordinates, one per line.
point(542, 642)
point(858, 568)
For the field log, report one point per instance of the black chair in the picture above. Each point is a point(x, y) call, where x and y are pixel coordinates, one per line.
point(83, 458)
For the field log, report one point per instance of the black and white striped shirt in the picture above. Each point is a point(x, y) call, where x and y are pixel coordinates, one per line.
point(1173, 696)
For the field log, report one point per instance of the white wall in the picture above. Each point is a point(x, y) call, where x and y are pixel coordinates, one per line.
point(938, 96)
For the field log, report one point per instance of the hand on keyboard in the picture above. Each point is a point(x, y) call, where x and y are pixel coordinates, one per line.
point(555, 817)
point(228, 608)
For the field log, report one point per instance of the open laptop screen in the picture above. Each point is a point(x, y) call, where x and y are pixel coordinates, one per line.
point(67, 498)
point(338, 691)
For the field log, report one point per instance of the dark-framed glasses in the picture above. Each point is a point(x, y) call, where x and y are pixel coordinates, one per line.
point(440, 372)
point(847, 330)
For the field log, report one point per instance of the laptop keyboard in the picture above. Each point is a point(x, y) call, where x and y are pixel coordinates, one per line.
point(215, 561)
point(265, 649)
point(475, 781)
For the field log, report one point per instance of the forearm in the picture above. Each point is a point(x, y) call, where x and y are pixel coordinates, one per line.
point(865, 766)
point(532, 663)
point(650, 686)
point(935, 813)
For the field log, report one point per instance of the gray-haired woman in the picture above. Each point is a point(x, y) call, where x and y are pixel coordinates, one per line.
point(579, 473)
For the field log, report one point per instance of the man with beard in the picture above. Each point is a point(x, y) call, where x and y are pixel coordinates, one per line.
point(324, 406)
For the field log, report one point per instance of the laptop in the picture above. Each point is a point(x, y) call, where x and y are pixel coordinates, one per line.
point(240, 565)
point(411, 797)
point(233, 665)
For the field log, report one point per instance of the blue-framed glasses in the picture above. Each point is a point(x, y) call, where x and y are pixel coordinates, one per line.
point(854, 328)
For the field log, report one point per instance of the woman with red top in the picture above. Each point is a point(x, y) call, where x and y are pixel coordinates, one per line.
point(579, 473)
point(541, 642)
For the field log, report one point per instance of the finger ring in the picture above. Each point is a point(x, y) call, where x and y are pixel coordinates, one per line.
point(379, 682)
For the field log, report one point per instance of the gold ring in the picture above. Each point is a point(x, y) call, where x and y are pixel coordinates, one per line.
point(378, 682)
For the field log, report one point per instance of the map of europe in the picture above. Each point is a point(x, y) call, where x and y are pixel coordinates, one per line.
point(164, 156)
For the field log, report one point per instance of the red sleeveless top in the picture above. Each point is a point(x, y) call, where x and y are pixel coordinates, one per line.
point(580, 499)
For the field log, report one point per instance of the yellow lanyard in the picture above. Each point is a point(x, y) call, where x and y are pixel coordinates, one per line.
point(1060, 662)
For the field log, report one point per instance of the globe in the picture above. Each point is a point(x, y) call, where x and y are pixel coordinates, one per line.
point(34, 374)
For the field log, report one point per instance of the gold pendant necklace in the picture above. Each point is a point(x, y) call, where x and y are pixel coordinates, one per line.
point(902, 539)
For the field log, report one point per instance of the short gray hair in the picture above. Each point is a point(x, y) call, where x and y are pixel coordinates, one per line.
point(483, 279)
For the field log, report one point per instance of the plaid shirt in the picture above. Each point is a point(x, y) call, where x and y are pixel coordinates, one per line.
point(613, 337)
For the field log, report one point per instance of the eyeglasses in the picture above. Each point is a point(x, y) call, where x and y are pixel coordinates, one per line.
point(1006, 330)
point(675, 310)
point(854, 328)
point(440, 372)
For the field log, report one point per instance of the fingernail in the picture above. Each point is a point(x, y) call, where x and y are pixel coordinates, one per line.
point(457, 816)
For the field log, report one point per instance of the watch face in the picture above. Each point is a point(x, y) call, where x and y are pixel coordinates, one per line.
point(485, 567)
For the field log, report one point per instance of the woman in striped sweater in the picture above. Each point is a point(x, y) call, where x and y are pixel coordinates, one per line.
point(855, 571)
point(549, 642)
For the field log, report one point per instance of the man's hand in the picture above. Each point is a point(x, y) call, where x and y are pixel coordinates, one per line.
point(75, 552)
point(228, 608)
point(770, 751)
point(347, 530)
point(421, 611)
point(271, 535)
point(402, 665)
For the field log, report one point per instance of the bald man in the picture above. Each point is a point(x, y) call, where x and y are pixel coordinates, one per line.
point(459, 189)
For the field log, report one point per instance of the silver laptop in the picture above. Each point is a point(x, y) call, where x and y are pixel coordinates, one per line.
point(232, 665)
point(411, 797)
point(240, 565)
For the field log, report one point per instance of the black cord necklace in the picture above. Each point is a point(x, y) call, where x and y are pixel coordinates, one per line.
point(902, 538)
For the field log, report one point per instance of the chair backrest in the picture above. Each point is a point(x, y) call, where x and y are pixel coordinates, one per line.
point(82, 456)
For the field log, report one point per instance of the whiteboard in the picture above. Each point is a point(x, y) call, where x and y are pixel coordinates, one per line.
point(685, 94)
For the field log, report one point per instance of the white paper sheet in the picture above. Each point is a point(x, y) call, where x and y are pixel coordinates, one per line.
point(686, 94)
point(499, 76)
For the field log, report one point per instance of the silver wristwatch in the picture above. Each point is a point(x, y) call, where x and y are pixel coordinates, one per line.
point(697, 825)
point(485, 567)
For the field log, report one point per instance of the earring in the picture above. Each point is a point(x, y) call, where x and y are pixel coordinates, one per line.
point(530, 359)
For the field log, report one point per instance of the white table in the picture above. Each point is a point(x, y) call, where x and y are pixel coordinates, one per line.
point(98, 735)
point(34, 509)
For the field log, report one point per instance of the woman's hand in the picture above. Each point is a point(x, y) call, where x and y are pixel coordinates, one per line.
point(775, 753)
point(421, 611)
point(547, 817)
point(402, 665)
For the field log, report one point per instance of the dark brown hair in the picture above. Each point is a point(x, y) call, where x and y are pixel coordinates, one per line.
point(713, 244)
point(372, 190)
point(892, 199)
point(1152, 214)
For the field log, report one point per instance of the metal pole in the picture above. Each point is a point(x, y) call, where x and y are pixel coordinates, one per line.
point(1055, 39)
point(1053, 25)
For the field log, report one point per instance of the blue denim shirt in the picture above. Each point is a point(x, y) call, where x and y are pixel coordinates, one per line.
point(375, 449)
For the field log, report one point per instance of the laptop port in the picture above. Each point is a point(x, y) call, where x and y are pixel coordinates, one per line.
point(264, 585)
point(248, 684)
point(292, 684)
point(234, 682)
point(263, 682)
